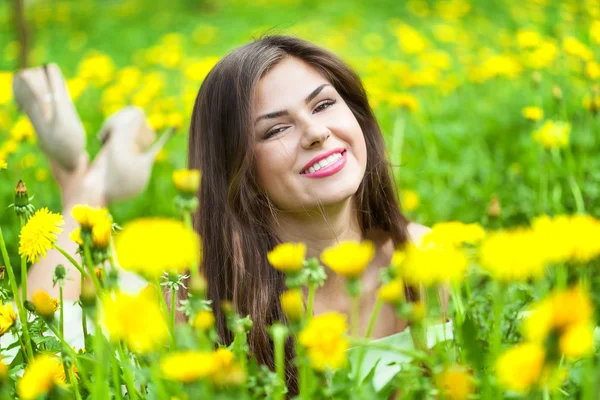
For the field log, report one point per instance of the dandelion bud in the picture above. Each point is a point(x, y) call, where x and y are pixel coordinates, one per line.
point(60, 272)
point(557, 93)
point(88, 293)
point(198, 286)
point(536, 77)
point(227, 306)
point(494, 208)
point(292, 303)
point(44, 305)
point(23, 208)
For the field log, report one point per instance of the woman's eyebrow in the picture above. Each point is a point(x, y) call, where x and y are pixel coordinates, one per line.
point(277, 114)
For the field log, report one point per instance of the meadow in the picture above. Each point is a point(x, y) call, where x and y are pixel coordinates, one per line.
point(490, 113)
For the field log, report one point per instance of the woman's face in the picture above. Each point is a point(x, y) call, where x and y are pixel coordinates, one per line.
point(300, 118)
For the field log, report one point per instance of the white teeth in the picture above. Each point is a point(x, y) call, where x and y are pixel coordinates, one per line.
point(323, 163)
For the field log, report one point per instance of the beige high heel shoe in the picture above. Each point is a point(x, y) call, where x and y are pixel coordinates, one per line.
point(43, 95)
point(128, 139)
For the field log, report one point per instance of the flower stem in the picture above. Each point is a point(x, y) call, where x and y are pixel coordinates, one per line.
point(173, 309)
point(165, 308)
point(459, 307)
point(61, 321)
point(279, 333)
point(23, 266)
point(497, 331)
point(355, 317)
point(71, 260)
point(310, 301)
point(90, 265)
point(15, 290)
point(83, 316)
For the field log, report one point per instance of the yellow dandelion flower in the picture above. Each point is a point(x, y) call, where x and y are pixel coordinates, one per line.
point(392, 292)
point(88, 216)
point(324, 340)
point(44, 305)
point(533, 113)
point(431, 264)
point(188, 366)
point(41, 375)
point(151, 246)
point(577, 341)
point(292, 303)
point(592, 70)
point(7, 317)
point(39, 234)
point(287, 257)
point(513, 255)
point(528, 39)
point(404, 100)
point(410, 200)
point(455, 233)
point(410, 40)
point(349, 259)
point(3, 371)
point(595, 31)
point(3, 164)
point(204, 320)
point(520, 367)
point(559, 312)
point(229, 372)
point(187, 181)
point(455, 383)
point(553, 134)
point(571, 307)
point(22, 129)
point(569, 238)
point(136, 320)
point(101, 233)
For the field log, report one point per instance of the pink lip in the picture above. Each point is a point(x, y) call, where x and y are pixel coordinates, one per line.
point(330, 169)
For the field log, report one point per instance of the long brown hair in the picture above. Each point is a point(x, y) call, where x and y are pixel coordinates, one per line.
point(234, 215)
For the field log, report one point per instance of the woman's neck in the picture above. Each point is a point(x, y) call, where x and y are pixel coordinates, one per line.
point(321, 228)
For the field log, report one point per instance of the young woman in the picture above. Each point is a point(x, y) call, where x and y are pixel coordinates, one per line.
point(290, 151)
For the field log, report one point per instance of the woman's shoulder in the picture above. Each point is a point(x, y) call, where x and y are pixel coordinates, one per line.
point(416, 231)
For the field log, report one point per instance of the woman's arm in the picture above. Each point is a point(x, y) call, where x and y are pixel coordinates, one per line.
point(82, 186)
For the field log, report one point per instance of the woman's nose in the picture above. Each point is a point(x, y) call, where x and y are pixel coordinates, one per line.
point(315, 134)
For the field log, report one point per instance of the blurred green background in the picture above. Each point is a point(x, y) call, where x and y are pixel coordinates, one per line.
point(449, 81)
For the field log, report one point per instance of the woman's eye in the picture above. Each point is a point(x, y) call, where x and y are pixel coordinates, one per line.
point(324, 105)
point(274, 132)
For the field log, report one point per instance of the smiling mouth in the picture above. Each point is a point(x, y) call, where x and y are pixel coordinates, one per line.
point(324, 163)
point(327, 166)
